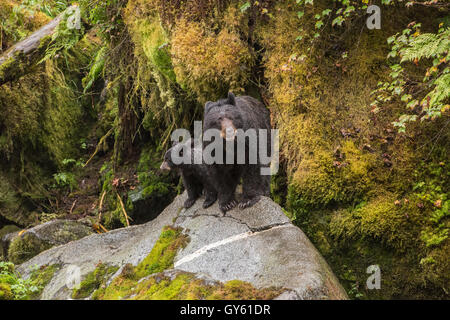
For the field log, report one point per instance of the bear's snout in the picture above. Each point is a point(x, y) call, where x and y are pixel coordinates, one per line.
point(164, 166)
point(228, 131)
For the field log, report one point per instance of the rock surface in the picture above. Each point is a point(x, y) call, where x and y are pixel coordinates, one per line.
point(258, 245)
point(21, 247)
point(5, 234)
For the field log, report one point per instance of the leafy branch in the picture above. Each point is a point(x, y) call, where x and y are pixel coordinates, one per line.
point(427, 98)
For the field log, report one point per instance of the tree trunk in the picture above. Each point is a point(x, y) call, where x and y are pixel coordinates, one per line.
point(24, 55)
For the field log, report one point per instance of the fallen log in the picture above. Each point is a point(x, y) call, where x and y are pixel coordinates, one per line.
point(24, 55)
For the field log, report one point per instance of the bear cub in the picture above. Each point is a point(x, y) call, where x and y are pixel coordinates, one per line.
point(195, 176)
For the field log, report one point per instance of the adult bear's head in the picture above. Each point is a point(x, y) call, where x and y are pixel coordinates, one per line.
point(223, 115)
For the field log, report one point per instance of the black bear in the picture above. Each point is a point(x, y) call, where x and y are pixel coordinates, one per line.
point(195, 176)
point(228, 115)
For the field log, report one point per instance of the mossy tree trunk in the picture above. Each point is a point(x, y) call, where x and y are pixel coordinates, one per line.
point(21, 58)
point(128, 121)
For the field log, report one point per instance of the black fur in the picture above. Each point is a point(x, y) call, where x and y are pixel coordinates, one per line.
point(195, 176)
point(244, 112)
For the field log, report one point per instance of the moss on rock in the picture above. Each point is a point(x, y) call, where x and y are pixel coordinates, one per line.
point(32, 242)
point(176, 285)
point(26, 246)
point(93, 281)
point(163, 253)
point(207, 63)
point(5, 292)
point(159, 259)
point(41, 277)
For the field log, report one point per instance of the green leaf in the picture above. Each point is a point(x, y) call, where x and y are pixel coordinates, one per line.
point(326, 12)
point(349, 10)
point(406, 97)
point(338, 20)
point(390, 39)
point(245, 6)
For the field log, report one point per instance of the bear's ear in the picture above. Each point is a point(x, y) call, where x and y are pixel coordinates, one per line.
point(231, 99)
point(208, 106)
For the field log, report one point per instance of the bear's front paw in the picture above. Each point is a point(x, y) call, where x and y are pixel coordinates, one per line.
point(246, 203)
point(208, 202)
point(224, 207)
point(189, 203)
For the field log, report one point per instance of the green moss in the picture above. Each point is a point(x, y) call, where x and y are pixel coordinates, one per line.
point(19, 20)
point(42, 116)
point(155, 42)
point(120, 287)
point(10, 203)
point(41, 277)
point(149, 174)
point(321, 179)
point(379, 219)
point(163, 252)
point(5, 292)
point(26, 246)
point(159, 188)
point(207, 67)
point(241, 290)
point(6, 68)
point(160, 258)
point(184, 286)
point(93, 281)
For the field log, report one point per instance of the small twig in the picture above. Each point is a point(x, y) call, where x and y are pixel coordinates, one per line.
point(98, 146)
point(123, 209)
point(73, 205)
point(100, 207)
point(102, 227)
